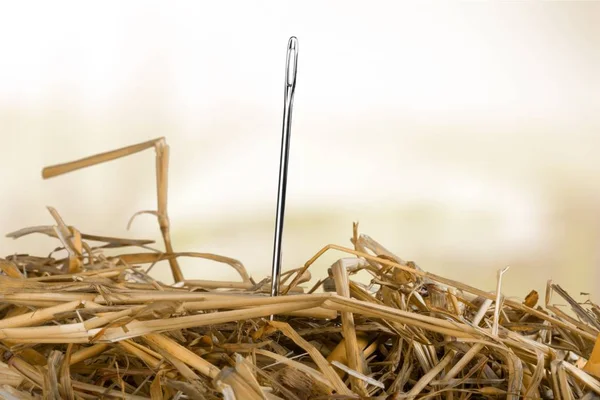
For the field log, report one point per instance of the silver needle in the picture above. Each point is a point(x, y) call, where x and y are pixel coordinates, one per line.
point(290, 86)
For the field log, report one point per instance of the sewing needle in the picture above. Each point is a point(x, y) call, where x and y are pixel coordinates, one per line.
point(290, 86)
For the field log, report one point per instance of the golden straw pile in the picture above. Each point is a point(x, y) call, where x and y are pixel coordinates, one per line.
point(94, 325)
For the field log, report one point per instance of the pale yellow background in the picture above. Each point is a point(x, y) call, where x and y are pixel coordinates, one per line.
point(464, 136)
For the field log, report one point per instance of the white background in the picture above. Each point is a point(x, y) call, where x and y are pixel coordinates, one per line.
point(463, 136)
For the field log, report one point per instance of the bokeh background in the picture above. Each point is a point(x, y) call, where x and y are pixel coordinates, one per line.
point(461, 135)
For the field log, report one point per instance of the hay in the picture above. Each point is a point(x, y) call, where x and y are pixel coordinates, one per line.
point(94, 325)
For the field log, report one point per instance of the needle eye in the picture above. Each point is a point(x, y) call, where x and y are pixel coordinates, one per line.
point(292, 62)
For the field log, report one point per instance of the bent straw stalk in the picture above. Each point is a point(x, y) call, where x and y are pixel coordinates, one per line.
point(162, 169)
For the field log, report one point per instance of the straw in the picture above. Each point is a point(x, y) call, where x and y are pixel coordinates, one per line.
point(94, 325)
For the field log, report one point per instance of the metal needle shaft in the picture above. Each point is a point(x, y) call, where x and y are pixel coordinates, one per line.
point(290, 86)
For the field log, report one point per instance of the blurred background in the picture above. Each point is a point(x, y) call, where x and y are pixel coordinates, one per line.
point(461, 135)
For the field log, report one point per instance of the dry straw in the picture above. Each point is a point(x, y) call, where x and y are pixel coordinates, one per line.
point(96, 325)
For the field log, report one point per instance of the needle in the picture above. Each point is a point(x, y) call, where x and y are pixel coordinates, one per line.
point(290, 86)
